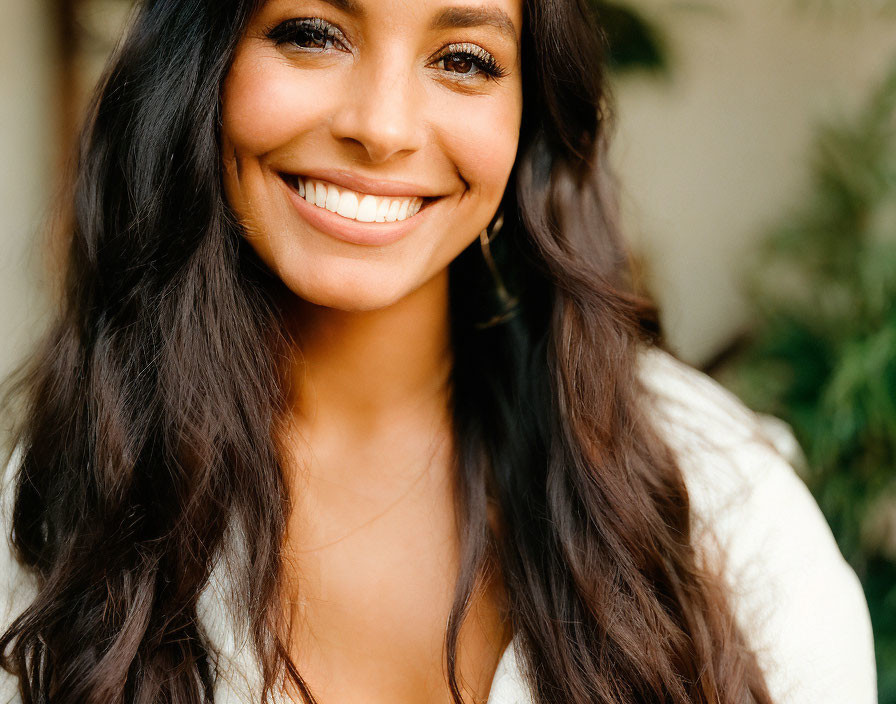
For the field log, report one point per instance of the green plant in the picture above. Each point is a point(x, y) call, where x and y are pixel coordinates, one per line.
point(823, 355)
point(633, 41)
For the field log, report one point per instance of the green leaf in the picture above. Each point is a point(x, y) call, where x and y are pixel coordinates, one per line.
point(634, 43)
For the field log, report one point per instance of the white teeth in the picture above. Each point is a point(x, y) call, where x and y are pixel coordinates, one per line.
point(367, 209)
point(392, 215)
point(357, 206)
point(332, 199)
point(348, 205)
point(320, 194)
point(382, 209)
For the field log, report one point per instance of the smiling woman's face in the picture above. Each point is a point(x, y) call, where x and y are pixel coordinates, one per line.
point(367, 142)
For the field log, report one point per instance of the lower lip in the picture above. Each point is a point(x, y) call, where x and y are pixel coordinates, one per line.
point(354, 231)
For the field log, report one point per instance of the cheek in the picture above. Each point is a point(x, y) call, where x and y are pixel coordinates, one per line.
point(481, 135)
point(265, 104)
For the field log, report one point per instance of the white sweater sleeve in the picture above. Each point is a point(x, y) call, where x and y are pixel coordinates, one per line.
point(799, 602)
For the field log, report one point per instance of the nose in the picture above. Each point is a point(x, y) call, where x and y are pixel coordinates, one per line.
point(379, 111)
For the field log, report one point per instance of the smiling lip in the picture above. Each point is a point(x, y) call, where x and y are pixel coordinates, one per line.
point(362, 184)
point(355, 231)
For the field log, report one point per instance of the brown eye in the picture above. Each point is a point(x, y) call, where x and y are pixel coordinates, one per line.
point(311, 39)
point(467, 61)
point(459, 63)
point(310, 33)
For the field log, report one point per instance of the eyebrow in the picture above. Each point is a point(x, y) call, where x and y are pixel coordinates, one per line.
point(451, 17)
point(349, 7)
point(460, 16)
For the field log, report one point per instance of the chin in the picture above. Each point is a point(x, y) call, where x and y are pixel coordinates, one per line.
point(353, 291)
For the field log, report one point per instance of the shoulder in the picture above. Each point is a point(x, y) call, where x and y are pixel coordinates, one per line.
point(17, 587)
point(799, 602)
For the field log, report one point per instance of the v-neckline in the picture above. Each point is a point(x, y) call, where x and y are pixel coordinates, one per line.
point(240, 675)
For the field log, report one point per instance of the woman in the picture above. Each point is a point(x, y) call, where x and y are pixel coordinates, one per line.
point(349, 400)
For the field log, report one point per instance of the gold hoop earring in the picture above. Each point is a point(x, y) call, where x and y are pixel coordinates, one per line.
point(509, 304)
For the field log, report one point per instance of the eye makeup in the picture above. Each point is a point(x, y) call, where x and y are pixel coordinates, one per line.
point(301, 31)
point(466, 60)
point(470, 55)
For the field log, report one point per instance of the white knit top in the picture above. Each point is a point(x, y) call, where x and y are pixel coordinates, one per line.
point(799, 602)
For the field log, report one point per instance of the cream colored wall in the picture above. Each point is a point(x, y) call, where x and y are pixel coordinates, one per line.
point(26, 149)
point(713, 155)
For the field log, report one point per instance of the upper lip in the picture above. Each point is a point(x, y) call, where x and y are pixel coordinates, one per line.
point(364, 184)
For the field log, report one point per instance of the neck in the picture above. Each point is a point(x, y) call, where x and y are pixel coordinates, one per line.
point(362, 371)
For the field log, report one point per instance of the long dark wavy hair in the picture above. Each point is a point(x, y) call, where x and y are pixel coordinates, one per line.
point(149, 412)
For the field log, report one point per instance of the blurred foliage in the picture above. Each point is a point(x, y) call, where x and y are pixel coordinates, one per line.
point(634, 42)
point(823, 357)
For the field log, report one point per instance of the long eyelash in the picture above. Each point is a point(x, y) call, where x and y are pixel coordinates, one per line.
point(287, 31)
point(290, 29)
point(484, 61)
